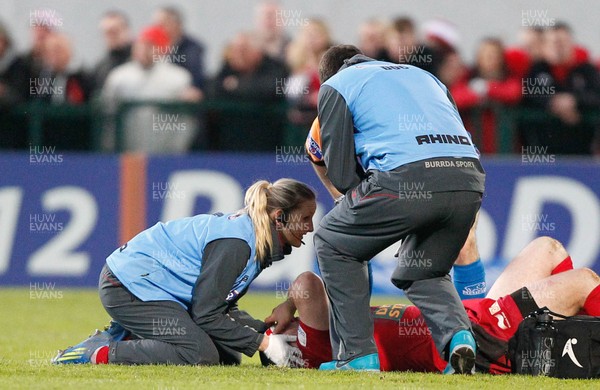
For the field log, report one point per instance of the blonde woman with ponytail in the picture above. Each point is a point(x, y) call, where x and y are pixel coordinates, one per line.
point(172, 290)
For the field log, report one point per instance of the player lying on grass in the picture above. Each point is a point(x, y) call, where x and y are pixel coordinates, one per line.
point(540, 275)
point(173, 288)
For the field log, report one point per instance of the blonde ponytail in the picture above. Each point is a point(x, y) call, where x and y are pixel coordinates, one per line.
point(262, 198)
point(256, 201)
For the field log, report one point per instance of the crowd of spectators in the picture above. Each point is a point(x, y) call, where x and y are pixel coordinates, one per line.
point(545, 92)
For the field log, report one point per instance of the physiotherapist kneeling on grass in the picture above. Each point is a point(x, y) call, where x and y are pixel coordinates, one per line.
point(172, 290)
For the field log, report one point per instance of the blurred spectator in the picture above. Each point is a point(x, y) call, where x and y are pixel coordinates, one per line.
point(248, 73)
point(442, 38)
point(489, 86)
point(302, 88)
point(188, 53)
point(14, 84)
point(530, 49)
point(183, 50)
point(117, 37)
point(269, 29)
point(532, 42)
point(57, 83)
point(14, 87)
point(144, 78)
point(519, 58)
point(249, 76)
point(403, 46)
point(372, 39)
point(43, 24)
point(452, 70)
point(441, 34)
point(565, 85)
point(454, 74)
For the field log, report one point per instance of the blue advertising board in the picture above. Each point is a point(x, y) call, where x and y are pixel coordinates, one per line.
point(59, 217)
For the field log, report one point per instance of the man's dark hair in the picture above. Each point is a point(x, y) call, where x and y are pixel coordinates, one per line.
point(115, 13)
point(560, 25)
point(174, 13)
point(333, 59)
point(403, 24)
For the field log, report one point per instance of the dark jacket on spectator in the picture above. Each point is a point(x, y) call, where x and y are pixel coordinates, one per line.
point(112, 59)
point(13, 79)
point(258, 86)
point(68, 88)
point(257, 121)
point(578, 78)
point(14, 87)
point(66, 93)
point(190, 55)
point(33, 64)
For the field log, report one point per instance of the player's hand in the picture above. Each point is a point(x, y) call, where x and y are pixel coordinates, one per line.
point(281, 316)
point(280, 352)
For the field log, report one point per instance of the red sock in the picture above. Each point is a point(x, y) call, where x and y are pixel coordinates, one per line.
point(563, 266)
point(592, 303)
point(102, 355)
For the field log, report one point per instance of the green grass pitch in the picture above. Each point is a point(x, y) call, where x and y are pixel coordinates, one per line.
point(33, 327)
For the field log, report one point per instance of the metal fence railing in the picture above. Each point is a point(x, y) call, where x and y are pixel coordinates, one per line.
point(219, 124)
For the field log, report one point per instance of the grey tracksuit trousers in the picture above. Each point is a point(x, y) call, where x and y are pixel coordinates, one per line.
point(163, 331)
point(384, 208)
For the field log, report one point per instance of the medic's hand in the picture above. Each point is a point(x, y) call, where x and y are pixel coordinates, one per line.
point(281, 316)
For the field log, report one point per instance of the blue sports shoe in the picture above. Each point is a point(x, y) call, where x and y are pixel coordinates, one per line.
point(361, 363)
point(462, 354)
point(82, 352)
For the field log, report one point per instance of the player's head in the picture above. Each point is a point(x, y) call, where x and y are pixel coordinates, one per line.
point(286, 203)
point(334, 58)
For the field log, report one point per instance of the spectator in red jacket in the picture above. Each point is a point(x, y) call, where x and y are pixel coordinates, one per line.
point(488, 87)
point(529, 50)
point(531, 45)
